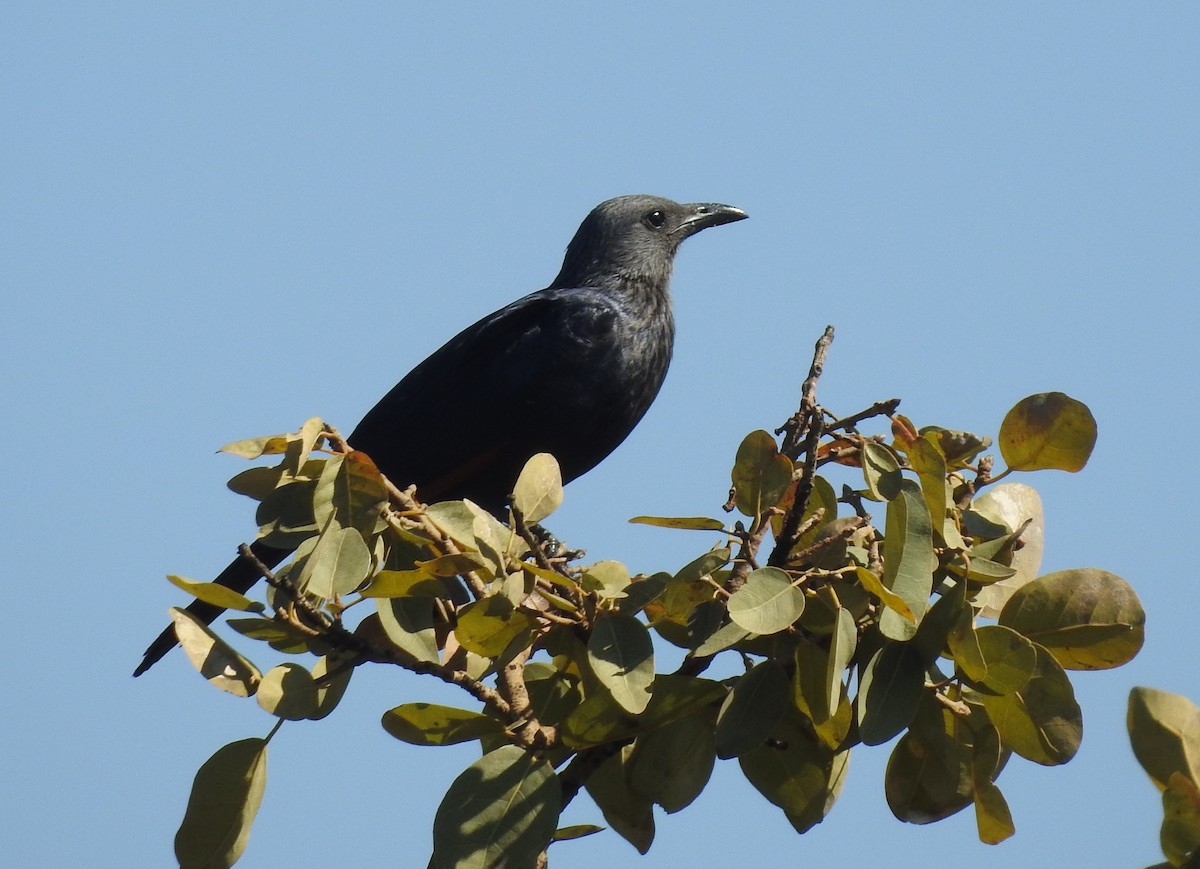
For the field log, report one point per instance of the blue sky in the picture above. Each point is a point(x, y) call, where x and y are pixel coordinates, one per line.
point(219, 221)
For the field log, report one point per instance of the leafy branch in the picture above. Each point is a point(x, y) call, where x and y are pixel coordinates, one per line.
point(933, 625)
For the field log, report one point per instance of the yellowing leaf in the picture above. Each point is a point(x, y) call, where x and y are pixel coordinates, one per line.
point(486, 627)
point(1048, 431)
point(875, 586)
point(253, 448)
point(695, 523)
point(431, 724)
point(539, 488)
point(217, 595)
point(213, 657)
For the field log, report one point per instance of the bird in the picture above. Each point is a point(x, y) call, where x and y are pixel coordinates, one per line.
point(568, 370)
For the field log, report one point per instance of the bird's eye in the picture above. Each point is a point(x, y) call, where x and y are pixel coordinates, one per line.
point(656, 219)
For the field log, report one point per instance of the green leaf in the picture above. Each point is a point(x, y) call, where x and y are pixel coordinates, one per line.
point(621, 655)
point(280, 636)
point(760, 474)
point(339, 563)
point(213, 657)
point(910, 560)
point(608, 579)
point(881, 471)
point(475, 529)
point(409, 623)
point(259, 482)
point(704, 621)
point(981, 570)
point(694, 523)
point(217, 595)
point(285, 517)
point(722, 638)
point(500, 813)
point(629, 813)
point(992, 816)
point(930, 773)
point(642, 591)
point(796, 772)
point(289, 692)
point(430, 724)
point(1009, 659)
point(963, 642)
point(1048, 431)
point(539, 488)
point(552, 694)
point(576, 831)
point(487, 627)
point(332, 675)
point(842, 644)
point(671, 765)
point(1041, 721)
point(403, 583)
point(1088, 619)
point(767, 602)
point(599, 719)
point(703, 566)
point(812, 688)
point(929, 463)
point(453, 565)
point(1164, 730)
point(889, 689)
point(752, 709)
point(1180, 833)
point(225, 797)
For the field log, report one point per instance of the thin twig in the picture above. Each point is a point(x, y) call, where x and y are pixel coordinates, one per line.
point(409, 505)
point(879, 408)
point(337, 635)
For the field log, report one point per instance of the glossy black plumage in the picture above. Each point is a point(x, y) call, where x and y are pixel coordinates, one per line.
point(568, 370)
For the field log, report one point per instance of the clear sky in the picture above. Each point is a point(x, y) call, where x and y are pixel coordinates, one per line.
point(219, 220)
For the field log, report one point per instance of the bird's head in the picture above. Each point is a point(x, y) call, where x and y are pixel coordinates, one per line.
point(630, 242)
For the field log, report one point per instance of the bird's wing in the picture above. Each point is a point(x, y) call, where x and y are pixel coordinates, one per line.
point(464, 421)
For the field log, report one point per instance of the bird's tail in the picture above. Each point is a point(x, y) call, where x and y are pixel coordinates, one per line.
point(240, 575)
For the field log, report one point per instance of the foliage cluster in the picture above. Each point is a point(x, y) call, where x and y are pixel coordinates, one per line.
point(1164, 729)
point(931, 625)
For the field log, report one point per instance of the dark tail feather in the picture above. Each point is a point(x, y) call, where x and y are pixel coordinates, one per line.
point(240, 575)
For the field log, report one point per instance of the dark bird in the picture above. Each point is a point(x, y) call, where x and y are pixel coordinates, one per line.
point(568, 370)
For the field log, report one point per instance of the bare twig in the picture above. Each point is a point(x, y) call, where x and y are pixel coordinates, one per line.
point(795, 428)
point(879, 408)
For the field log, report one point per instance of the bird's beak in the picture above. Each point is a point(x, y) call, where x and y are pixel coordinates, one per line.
point(706, 214)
